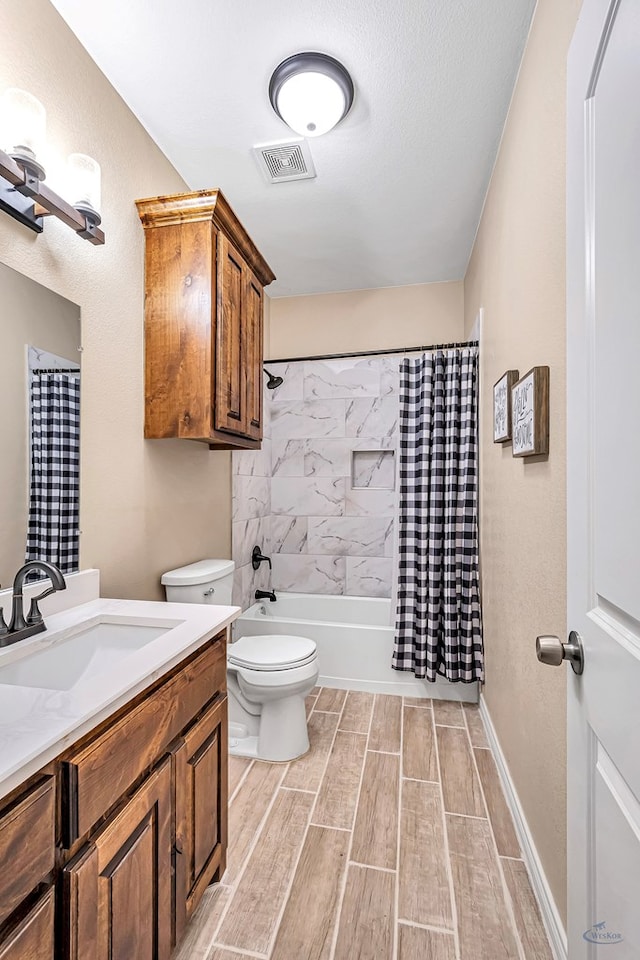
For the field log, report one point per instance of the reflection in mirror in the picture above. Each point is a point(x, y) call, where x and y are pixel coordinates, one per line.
point(39, 426)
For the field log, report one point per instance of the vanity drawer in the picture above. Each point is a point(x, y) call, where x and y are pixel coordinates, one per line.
point(27, 844)
point(96, 776)
point(33, 938)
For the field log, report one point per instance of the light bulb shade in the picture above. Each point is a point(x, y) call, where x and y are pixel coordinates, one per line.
point(84, 184)
point(311, 92)
point(23, 126)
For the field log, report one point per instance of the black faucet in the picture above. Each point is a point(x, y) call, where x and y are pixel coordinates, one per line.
point(21, 627)
point(257, 558)
point(266, 595)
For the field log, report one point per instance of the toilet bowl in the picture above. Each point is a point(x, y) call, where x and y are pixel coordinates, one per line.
point(268, 677)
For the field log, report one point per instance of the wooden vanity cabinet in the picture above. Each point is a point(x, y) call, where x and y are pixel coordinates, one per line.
point(204, 305)
point(106, 854)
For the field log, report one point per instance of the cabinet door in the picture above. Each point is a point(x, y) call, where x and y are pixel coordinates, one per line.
point(253, 333)
point(33, 939)
point(201, 809)
point(118, 890)
point(229, 359)
point(27, 843)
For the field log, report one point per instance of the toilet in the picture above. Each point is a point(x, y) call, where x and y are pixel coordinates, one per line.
point(268, 677)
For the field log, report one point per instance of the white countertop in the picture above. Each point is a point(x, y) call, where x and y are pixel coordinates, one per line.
point(36, 724)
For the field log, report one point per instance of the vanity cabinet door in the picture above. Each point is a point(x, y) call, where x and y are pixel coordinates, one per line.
point(118, 890)
point(201, 809)
point(33, 938)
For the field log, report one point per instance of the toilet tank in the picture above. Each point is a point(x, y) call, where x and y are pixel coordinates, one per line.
point(207, 581)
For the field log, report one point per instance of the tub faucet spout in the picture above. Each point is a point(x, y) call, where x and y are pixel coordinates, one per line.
point(266, 595)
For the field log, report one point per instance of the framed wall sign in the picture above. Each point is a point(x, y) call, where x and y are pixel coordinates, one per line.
point(530, 413)
point(502, 406)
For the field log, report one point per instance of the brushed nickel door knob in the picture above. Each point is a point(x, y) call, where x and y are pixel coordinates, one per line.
point(552, 651)
point(549, 650)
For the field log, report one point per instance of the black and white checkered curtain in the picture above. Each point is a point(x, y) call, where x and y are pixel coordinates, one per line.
point(439, 624)
point(52, 532)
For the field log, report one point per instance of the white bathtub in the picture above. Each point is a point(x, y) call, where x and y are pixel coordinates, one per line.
point(354, 639)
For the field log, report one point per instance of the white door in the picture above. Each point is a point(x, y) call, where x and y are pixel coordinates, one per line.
point(603, 290)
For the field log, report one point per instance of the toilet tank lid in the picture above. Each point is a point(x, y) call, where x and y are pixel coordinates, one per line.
point(200, 572)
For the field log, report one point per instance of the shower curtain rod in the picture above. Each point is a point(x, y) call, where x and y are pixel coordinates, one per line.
point(57, 370)
point(377, 353)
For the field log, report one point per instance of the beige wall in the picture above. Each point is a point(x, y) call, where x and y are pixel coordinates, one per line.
point(366, 319)
point(517, 273)
point(146, 505)
point(30, 315)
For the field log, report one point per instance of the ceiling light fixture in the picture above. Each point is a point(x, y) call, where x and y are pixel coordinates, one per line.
point(23, 193)
point(311, 92)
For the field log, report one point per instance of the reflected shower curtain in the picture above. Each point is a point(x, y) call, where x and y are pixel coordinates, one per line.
point(54, 495)
point(439, 624)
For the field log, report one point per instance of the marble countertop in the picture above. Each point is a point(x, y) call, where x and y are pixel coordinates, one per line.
point(37, 724)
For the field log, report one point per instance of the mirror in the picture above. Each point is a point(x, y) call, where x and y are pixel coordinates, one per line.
point(39, 425)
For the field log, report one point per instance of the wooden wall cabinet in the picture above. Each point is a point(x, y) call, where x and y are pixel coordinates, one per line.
point(204, 306)
point(140, 828)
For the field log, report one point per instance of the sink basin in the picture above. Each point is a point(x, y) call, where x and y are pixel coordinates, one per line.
point(87, 653)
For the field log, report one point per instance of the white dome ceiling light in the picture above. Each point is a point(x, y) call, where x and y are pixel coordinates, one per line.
point(311, 92)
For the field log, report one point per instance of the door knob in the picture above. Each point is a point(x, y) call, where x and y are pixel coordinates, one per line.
point(552, 651)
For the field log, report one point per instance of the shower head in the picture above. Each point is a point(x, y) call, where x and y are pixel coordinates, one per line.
point(273, 382)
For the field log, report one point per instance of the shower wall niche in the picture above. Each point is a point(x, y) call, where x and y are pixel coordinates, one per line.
point(320, 497)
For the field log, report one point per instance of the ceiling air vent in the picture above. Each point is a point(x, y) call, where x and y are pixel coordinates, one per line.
point(285, 160)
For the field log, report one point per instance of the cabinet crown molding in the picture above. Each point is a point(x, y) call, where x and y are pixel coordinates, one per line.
point(205, 205)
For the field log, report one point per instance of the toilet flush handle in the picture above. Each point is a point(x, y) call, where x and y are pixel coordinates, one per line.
point(209, 593)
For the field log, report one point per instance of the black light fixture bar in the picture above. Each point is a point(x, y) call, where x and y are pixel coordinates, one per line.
point(29, 200)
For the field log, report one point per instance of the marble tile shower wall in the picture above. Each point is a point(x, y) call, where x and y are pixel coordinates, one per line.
point(321, 494)
point(251, 515)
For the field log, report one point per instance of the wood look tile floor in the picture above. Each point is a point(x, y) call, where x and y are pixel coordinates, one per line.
point(390, 840)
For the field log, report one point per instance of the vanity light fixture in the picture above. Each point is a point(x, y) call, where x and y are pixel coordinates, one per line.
point(84, 185)
point(311, 92)
point(23, 193)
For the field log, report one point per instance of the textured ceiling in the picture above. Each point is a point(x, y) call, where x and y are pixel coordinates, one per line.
point(400, 182)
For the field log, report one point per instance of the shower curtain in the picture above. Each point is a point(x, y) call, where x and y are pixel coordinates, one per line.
point(438, 623)
point(52, 532)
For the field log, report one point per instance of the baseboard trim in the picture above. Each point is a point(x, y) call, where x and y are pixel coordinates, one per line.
point(550, 916)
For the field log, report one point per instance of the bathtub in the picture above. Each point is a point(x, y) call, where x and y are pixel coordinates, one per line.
point(354, 639)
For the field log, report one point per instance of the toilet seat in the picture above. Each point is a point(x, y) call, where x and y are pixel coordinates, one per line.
point(271, 652)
